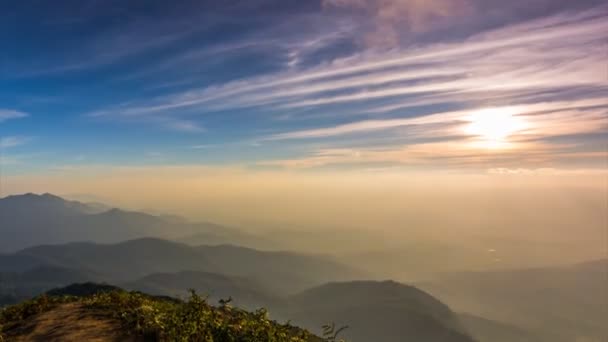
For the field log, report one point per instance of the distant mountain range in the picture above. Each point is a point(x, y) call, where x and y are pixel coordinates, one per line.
point(280, 272)
point(30, 220)
point(49, 242)
point(126, 249)
point(252, 278)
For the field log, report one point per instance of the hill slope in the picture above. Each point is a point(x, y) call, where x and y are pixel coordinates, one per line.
point(377, 311)
point(18, 286)
point(116, 315)
point(279, 272)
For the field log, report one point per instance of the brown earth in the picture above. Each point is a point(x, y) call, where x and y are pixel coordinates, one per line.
point(70, 323)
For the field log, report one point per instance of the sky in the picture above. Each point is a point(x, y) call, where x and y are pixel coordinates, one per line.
point(443, 84)
point(242, 102)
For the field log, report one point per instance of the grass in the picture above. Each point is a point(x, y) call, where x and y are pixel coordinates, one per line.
point(161, 319)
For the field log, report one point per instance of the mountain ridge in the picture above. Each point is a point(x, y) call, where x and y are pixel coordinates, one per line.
point(282, 272)
point(58, 221)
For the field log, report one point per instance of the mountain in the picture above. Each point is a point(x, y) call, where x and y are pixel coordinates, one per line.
point(377, 311)
point(18, 286)
point(45, 204)
point(374, 311)
point(220, 235)
point(30, 220)
point(565, 303)
point(278, 272)
point(385, 311)
point(122, 261)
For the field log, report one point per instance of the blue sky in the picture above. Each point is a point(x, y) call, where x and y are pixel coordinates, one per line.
point(443, 84)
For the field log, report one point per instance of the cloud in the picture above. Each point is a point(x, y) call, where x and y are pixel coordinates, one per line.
point(185, 126)
point(444, 154)
point(393, 19)
point(7, 114)
point(370, 125)
point(542, 120)
point(422, 93)
point(169, 122)
point(7, 142)
point(515, 60)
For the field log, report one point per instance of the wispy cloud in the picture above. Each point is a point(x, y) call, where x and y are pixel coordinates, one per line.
point(184, 126)
point(390, 18)
point(7, 142)
point(545, 71)
point(445, 154)
point(168, 122)
point(544, 119)
point(546, 171)
point(7, 114)
point(519, 58)
point(370, 125)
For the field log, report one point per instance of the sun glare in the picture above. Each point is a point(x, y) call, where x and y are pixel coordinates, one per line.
point(493, 126)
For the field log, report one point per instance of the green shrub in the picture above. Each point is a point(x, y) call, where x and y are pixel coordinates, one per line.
point(166, 320)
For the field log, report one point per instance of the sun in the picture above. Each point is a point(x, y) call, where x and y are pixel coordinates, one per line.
point(493, 126)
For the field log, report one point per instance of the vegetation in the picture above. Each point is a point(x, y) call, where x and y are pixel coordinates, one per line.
point(160, 319)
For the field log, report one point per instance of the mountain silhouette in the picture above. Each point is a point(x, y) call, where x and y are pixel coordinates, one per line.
point(29, 220)
point(377, 311)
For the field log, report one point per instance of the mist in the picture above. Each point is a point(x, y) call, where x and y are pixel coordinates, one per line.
point(446, 221)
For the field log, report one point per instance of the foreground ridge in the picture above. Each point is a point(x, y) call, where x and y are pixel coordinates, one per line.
point(112, 314)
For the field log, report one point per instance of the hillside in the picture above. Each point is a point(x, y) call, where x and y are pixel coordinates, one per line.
point(18, 286)
point(116, 315)
point(377, 311)
point(387, 311)
point(280, 272)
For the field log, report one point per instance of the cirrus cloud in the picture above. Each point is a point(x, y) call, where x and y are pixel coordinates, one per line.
point(7, 114)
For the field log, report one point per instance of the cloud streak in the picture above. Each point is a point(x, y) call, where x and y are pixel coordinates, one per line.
point(524, 57)
point(546, 119)
point(550, 72)
point(8, 114)
point(391, 17)
point(8, 142)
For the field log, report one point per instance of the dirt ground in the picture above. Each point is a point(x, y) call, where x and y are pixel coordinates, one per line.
point(69, 323)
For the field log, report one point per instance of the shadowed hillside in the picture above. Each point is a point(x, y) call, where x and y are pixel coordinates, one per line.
point(282, 272)
point(377, 311)
point(18, 286)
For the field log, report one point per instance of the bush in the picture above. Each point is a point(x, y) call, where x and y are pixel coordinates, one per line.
point(159, 319)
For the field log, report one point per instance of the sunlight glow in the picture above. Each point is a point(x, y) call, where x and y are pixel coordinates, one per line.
point(493, 126)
